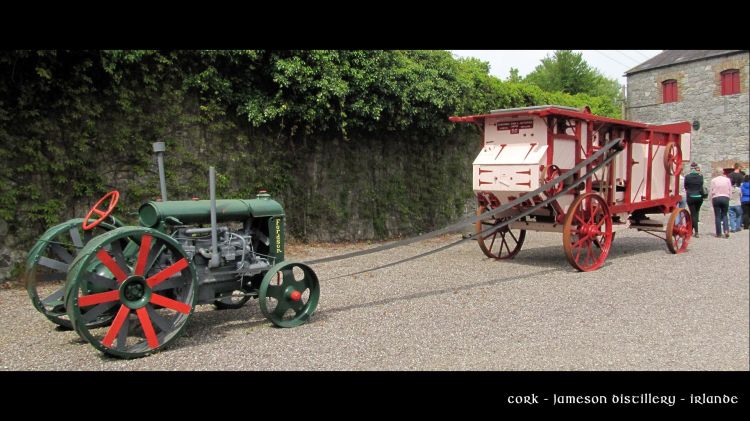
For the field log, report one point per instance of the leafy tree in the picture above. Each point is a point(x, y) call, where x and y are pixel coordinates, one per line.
point(514, 76)
point(568, 72)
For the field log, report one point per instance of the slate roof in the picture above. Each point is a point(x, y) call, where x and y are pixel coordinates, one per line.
point(672, 57)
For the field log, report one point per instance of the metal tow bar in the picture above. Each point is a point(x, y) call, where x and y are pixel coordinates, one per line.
point(615, 147)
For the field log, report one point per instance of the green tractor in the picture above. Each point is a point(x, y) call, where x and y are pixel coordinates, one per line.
point(130, 290)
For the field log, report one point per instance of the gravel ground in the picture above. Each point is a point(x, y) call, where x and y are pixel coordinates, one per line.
point(646, 309)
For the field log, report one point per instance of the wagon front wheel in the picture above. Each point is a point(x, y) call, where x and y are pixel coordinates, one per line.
point(151, 284)
point(501, 243)
point(289, 294)
point(587, 233)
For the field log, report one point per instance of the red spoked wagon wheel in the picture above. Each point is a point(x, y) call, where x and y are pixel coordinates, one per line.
point(150, 283)
point(501, 243)
point(673, 158)
point(679, 230)
point(588, 224)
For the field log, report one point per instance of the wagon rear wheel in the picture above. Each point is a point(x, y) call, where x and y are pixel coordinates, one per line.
point(47, 268)
point(501, 243)
point(150, 284)
point(289, 294)
point(588, 224)
point(679, 230)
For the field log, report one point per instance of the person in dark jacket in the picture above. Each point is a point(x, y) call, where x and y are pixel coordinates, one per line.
point(695, 193)
point(745, 201)
point(737, 176)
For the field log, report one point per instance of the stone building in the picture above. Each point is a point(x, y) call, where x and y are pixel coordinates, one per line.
point(709, 88)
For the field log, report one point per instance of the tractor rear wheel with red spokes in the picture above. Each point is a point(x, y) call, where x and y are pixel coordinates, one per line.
point(150, 284)
point(587, 232)
point(679, 230)
point(500, 243)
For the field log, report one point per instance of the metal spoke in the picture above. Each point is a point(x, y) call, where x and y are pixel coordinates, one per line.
point(281, 307)
point(163, 301)
point(62, 253)
point(297, 306)
point(122, 336)
point(274, 291)
point(148, 329)
point(156, 249)
point(100, 281)
point(102, 297)
point(163, 324)
point(173, 282)
point(143, 254)
point(54, 276)
point(54, 297)
point(113, 267)
point(122, 315)
point(119, 257)
point(53, 264)
point(92, 314)
point(288, 276)
point(168, 272)
point(76, 237)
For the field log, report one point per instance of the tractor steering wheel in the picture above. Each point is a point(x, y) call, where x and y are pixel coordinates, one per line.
point(113, 197)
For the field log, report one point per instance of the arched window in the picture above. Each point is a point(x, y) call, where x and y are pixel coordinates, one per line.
point(730, 82)
point(669, 90)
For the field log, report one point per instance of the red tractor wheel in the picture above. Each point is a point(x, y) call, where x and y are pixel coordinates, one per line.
point(588, 224)
point(501, 243)
point(679, 230)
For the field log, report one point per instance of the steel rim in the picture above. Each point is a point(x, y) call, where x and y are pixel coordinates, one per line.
point(587, 224)
point(289, 294)
point(150, 283)
point(679, 230)
point(48, 265)
point(501, 243)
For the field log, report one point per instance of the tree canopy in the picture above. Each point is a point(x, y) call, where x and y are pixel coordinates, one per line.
point(566, 71)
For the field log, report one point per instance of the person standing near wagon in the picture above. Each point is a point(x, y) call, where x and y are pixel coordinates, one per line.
point(737, 176)
point(745, 201)
point(735, 210)
point(694, 192)
point(721, 191)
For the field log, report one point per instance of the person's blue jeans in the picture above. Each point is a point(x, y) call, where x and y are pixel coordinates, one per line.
point(681, 205)
point(721, 210)
point(735, 218)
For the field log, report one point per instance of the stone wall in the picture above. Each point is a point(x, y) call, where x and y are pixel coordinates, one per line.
point(722, 138)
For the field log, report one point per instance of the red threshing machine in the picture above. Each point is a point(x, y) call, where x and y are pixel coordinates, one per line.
point(526, 148)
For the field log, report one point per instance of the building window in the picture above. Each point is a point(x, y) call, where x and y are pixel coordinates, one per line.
point(669, 90)
point(730, 82)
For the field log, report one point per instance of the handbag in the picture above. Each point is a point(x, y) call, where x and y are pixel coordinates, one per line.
point(703, 192)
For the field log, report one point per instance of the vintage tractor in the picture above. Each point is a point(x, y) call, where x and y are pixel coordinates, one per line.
point(130, 290)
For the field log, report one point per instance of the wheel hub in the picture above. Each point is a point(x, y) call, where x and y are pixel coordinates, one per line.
point(135, 292)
